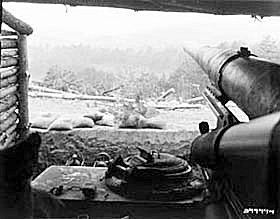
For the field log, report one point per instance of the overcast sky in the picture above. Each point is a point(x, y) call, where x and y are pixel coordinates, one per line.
point(58, 24)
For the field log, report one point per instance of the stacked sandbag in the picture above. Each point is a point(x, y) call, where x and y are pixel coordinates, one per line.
point(44, 120)
point(68, 122)
point(101, 118)
point(108, 119)
point(52, 121)
point(138, 121)
point(154, 123)
point(63, 123)
point(82, 122)
point(95, 115)
point(134, 120)
point(131, 121)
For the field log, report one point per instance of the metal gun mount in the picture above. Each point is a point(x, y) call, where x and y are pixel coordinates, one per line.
point(216, 102)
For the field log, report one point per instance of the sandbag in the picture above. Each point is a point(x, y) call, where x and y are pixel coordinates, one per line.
point(130, 121)
point(62, 124)
point(151, 112)
point(107, 120)
point(154, 123)
point(43, 121)
point(95, 115)
point(138, 121)
point(82, 122)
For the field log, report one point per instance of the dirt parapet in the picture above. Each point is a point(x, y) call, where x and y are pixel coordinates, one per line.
point(58, 146)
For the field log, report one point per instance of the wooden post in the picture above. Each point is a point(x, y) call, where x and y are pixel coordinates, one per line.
point(23, 87)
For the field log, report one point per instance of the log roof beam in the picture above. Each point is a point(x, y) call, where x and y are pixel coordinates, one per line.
point(15, 23)
point(223, 7)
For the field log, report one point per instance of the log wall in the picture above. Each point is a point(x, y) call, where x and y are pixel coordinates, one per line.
point(13, 88)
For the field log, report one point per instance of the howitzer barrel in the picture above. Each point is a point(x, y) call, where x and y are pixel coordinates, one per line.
point(252, 83)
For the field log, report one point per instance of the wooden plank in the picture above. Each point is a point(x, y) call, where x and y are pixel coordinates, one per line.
point(23, 87)
point(8, 81)
point(15, 23)
point(7, 123)
point(8, 62)
point(7, 72)
point(7, 102)
point(8, 43)
point(8, 91)
point(9, 52)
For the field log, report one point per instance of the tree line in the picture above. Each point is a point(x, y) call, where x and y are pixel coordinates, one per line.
point(187, 78)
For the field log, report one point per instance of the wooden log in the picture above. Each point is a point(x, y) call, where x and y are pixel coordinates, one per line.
point(8, 33)
point(8, 52)
point(194, 100)
point(7, 123)
point(8, 91)
point(5, 135)
point(5, 115)
point(7, 72)
point(221, 7)
point(8, 62)
point(23, 125)
point(174, 107)
point(1, 13)
point(165, 94)
point(7, 103)
point(71, 96)
point(39, 88)
point(11, 129)
point(15, 23)
point(11, 139)
point(8, 81)
point(8, 43)
point(113, 89)
point(45, 89)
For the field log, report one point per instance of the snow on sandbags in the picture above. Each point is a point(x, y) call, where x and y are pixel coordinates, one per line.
point(95, 115)
point(151, 112)
point(108, 119)
point(130, 121)
point(44, 120)
point(63, 123)
point(154, 123)
point(138, 121)
point(51, 121)
point(82, 122)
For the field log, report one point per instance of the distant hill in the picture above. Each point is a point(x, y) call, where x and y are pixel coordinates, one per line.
point(78, 57)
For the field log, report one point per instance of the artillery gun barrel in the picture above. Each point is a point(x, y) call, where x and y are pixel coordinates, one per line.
point(252, 83)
